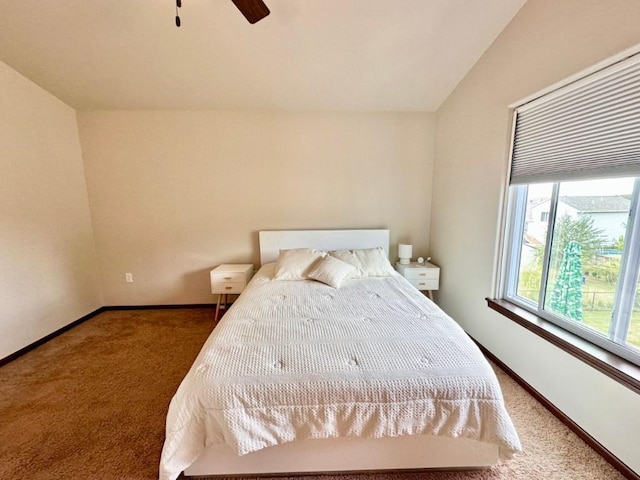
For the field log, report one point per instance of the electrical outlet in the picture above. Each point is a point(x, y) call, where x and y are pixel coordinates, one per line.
point(128, 277)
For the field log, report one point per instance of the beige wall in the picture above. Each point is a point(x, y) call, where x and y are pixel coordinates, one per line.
point(174, 194)
point(49, 270)
point(546, 42)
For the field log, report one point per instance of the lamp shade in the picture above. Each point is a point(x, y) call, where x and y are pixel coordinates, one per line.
point(405, 252)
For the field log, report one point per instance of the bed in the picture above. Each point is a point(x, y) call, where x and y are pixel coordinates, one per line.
point(300, 376)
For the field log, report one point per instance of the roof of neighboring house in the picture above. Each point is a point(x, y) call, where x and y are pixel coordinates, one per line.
point(538, 201)
point(598, 203)
point(531, 240)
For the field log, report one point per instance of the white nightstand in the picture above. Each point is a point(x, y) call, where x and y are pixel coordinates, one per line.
point(425, 277)
point(229, 278)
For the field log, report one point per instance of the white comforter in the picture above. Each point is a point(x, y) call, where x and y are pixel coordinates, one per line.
point(299, 360)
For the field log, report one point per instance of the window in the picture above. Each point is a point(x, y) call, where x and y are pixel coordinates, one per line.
point(572, 236)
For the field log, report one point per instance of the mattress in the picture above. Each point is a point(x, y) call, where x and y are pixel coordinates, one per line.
point(296, 360)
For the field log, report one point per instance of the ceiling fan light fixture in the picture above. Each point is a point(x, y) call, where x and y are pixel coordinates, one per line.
point(178, 5)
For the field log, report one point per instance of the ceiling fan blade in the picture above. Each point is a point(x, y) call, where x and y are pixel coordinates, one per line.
point(253, 10)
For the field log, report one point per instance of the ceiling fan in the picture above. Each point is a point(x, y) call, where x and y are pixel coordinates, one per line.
point(253, 10)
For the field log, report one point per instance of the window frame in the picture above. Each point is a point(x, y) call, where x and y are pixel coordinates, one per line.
point(620, 370)
point(629, 268)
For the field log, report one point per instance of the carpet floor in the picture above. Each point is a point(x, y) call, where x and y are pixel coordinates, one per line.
point(91, 404)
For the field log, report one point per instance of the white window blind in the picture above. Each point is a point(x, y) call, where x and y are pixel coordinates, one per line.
point(589, 129)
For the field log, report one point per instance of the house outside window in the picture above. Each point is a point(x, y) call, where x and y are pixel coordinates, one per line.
point(572, 233)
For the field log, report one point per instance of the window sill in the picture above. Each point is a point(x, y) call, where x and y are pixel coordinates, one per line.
point(622, 371)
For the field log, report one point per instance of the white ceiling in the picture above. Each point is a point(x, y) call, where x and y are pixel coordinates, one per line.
point(326, 55)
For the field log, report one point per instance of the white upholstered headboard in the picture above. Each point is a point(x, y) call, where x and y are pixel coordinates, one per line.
point(272, 241)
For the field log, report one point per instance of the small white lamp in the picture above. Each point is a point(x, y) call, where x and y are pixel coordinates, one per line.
point(405, 253)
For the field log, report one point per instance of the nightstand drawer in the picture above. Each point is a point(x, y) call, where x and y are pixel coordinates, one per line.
point(227, 287)
point(422, 273)
point(226, 277)
point(424, 283)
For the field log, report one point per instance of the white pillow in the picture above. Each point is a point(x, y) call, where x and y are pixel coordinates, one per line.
point(370, 262)
point(349, 257)
point(294, 264)
point(331, 271)
point(374, 262)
